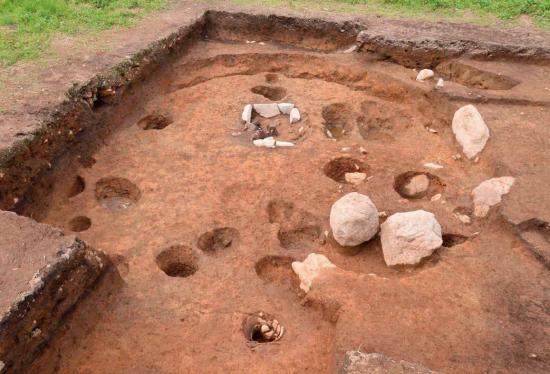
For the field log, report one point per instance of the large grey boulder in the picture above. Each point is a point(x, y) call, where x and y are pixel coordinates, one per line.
point(489, 193)
point(470, 130)
point(356, 362)
point(409, 237)
point(353, 219)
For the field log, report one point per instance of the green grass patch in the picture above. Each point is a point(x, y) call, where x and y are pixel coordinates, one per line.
point(26, 26)
point(474, 11)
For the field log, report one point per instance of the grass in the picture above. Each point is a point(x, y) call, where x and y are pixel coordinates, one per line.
point(476, 11)
point(26, 26)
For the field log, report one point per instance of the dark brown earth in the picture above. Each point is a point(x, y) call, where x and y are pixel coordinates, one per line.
point(202, 225)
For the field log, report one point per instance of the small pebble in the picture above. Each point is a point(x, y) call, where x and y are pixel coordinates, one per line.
point(264, 328)
point(463, 218)
point(431, 165)
point(436, 197)
point(362, 150)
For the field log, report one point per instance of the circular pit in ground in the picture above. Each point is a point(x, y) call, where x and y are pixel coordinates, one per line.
point(177, 261)
point(116, 193)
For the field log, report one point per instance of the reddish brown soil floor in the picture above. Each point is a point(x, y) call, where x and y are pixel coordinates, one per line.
point(478, 306)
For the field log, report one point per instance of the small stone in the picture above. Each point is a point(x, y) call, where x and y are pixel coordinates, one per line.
point(266, 142)
point(354, 219)
point(362, 150)
point(345, 149)
point(463, 218)
point(431, 165)
point(470, 130)
point(269, 335)
point(417, 185)
point(261, 43)
point(329, 134)
point(310, 268)
point(382, 214)
point(424, 74)
point(294, 115)
point(285, 108)
point(237, 133)
point(281, 333)
point(440, 84)
point(409, 237)
point(489, 193)
point(457, 157)
point(267, 110)
point(351, 49)
point(433, 131)
point(356, 362)
point(355, 178)
point(436, 197)
point(247, 113)
point(264, 328)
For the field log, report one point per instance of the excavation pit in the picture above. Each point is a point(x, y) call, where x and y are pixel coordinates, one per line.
point(177, 261)
point(416, 185)
point(244, 213)
point(218, 239)
point(116, 193)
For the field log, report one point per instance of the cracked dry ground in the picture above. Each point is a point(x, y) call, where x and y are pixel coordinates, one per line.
point(203, 226)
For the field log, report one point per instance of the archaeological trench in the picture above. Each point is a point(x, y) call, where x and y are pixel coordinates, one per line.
point(158, 223)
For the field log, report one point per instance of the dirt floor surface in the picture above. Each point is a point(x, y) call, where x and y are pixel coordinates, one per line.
point(203, 225)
